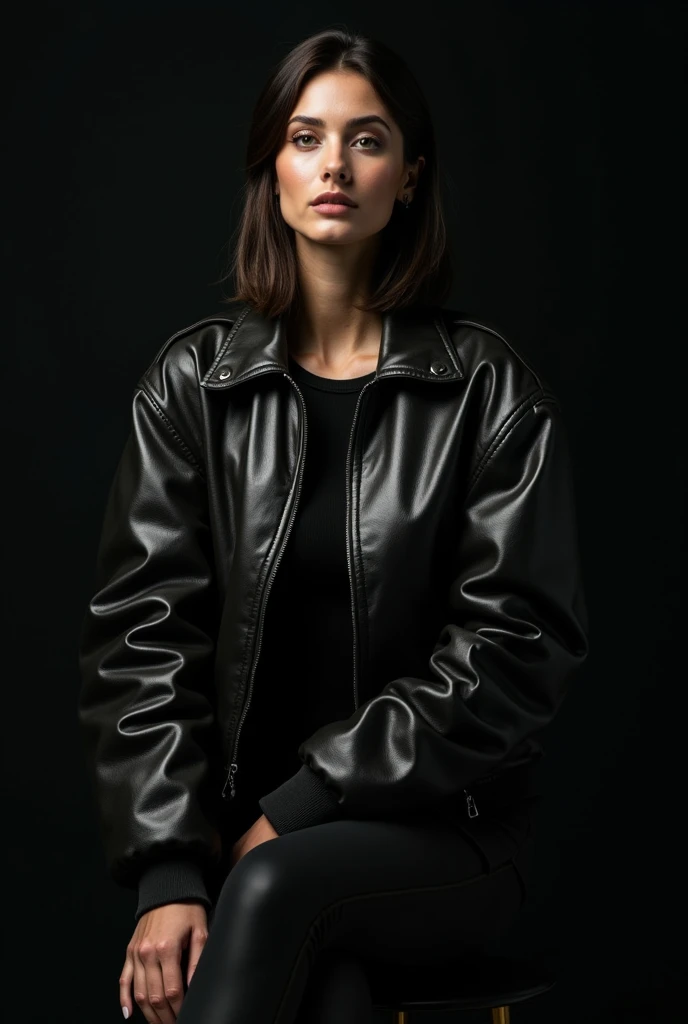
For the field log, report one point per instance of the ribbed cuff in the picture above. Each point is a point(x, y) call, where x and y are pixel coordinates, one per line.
point(301, 801)
point(171, 881)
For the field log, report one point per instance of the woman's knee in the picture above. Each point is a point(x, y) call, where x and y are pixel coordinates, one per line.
point(263, 879)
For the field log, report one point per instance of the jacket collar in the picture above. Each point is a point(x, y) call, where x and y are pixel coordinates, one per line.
point(414, 343)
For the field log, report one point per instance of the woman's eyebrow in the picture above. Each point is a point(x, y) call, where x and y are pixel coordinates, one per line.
point(353, 122)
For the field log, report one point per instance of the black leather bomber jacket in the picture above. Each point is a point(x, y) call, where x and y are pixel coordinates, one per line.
point(469, 617)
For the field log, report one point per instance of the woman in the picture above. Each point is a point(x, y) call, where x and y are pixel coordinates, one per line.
point(338, 589)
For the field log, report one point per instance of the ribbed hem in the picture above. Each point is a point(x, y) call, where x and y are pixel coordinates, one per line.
point(171, 881)
point(301, 801)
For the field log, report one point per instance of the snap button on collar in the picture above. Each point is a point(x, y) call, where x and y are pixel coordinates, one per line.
point(438, 367)
point(224, 373)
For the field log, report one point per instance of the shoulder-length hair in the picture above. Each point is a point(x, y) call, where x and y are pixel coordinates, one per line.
point(414, 263)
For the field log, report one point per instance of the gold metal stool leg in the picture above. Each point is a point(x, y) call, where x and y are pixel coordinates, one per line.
point(401, 1017)
point(501, 1015)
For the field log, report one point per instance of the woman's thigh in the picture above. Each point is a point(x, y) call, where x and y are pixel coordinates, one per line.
point(390, 891)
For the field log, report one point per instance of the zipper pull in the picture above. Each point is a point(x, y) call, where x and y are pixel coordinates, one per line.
point(471, 804)
point(230, 779)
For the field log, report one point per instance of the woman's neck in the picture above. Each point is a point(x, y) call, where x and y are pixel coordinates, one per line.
point(344, 346)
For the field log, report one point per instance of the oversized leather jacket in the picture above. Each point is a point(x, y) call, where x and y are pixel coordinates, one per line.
point(467, 605)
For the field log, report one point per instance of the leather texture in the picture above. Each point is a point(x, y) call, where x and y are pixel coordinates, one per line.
point(467, 602)
point(403, 898)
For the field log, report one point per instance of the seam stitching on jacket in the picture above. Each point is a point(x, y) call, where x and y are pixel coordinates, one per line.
point(223, 348)
point(414, 372)
point(256, 372)
point(206, 320)
point(441, 327)
point(496, 334)
point(530, 401)
point(187, 451)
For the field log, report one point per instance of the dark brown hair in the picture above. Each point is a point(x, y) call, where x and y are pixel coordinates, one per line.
point(414, 262)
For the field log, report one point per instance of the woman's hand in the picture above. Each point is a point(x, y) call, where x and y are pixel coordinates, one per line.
point(154, 960)
point(259, 832)
point(154, 953)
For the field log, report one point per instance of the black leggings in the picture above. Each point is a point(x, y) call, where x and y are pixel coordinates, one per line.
point(302, 920)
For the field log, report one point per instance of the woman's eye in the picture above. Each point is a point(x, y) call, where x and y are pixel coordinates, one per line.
point(296, 138)
point(364, 138)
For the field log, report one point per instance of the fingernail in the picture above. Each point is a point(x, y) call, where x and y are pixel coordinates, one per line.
point(125, 1011)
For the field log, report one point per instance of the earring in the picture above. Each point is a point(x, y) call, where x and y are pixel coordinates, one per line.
point(406, 201)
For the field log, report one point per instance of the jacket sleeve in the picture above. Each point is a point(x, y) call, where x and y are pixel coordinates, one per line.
point(502, 663)
point(171, 881)
point(146, 656)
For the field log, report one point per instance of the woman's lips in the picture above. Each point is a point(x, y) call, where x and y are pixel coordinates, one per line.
point(335, 208)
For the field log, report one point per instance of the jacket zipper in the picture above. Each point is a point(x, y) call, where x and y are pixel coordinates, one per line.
point(234, 767)
point(471, 804)
point(348, 553)
point(470, 799)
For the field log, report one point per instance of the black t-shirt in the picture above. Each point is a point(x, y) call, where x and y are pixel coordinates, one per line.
point(304, 676)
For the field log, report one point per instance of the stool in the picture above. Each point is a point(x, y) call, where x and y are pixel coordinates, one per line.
point(473, 982)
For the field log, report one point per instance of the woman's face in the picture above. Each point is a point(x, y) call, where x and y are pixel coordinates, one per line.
point(364, 160)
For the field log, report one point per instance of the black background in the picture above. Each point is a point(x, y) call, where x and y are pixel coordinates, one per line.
point(559, 132)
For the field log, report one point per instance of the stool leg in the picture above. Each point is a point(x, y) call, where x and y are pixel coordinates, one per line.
point(401, 1017)
point(501, 1015)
